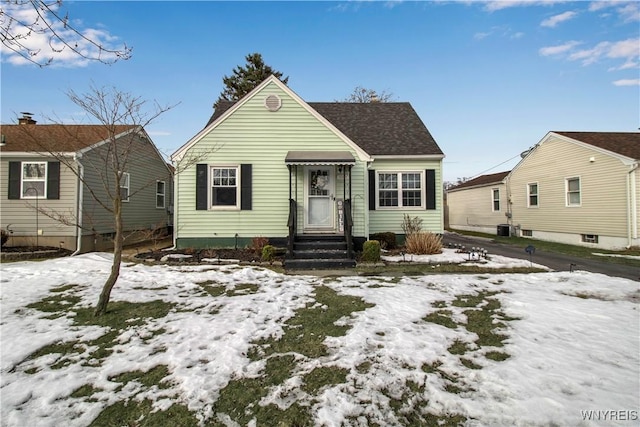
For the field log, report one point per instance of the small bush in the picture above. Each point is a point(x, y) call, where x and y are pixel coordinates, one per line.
point(268, 253)
point(258, 243)
point(387, 240)
point(410, 225)
point(423, 244)
point(371, 251)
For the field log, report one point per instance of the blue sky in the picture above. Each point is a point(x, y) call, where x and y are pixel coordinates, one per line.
point(489, 79)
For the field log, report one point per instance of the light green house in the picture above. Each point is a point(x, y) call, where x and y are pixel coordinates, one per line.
point(272, 165)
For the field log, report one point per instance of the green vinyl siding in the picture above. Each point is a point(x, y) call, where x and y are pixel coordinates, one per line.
point(383, 220)
point(253, 135)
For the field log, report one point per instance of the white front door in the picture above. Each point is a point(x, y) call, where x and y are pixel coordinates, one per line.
point(320, 192)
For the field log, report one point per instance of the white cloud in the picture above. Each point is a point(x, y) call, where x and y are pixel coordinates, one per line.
point(627, 11)
point(494, 5)
point(627, 82)
point(624, 49)
point(33, 35)
point(557, 19)
point(558, 49)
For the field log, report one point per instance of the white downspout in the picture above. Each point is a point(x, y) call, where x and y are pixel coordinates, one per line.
point(632, 217)
point(79, 207)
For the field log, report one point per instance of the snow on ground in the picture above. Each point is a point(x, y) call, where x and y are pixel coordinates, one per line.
point(574, 348)
point(452, 256)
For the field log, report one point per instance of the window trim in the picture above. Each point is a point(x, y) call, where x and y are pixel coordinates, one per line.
point(128, 186)
point(494, 200)
point(238, 186)
point(399, 173)
point(566, 192)
point(45, 180)
point(529, 194)
point(163, 194)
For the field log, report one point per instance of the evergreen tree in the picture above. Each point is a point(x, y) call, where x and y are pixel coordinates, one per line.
point(245, 79)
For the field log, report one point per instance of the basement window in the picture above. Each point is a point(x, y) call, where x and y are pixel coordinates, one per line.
point(589, 238)
point(527, 233)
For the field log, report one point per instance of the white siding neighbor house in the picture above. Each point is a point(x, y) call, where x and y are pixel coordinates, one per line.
point(580, 188)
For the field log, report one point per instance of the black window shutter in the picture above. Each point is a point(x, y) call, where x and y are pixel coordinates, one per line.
point(372, 190)
point(245, 187)
point(201, 186)
point(14, 180)
point(53, 180)
point(430, 175)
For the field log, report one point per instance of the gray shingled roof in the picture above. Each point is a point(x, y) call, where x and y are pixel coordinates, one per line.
point(380, 128)
point(625, 143)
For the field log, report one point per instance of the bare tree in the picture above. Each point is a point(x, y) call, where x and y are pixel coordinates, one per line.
point(363, 95)
point(38, 31)
point(114, 111)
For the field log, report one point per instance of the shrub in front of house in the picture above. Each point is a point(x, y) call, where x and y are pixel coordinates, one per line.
point(371, 251)
point(423, 243)
point(268, 253)
point(387, 239)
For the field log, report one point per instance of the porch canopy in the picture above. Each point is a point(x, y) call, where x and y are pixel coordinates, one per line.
point(319, 158)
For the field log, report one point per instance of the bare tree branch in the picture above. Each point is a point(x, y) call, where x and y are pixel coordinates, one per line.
point(36, 32)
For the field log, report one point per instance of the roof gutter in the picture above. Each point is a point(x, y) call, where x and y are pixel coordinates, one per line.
point(632, 212)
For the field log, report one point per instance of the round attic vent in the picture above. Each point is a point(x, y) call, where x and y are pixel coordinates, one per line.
point(272, 103)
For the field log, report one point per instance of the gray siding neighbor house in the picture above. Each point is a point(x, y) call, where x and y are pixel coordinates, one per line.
point(44, 201)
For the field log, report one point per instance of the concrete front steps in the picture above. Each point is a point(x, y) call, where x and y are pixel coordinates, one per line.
point(319, 252)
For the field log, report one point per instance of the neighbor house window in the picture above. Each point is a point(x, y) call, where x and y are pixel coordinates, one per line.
point(160, 190)
point(495, 195)
point(125, 180)
point(34, 180)
point(573, 191)
point(400, 189)
point(224, 187)
point(532, 195)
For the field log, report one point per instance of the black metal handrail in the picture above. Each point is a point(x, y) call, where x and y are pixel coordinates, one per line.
point(348, 227)
point(291, 223)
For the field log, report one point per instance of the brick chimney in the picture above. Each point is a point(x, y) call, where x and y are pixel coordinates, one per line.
point(26, 119)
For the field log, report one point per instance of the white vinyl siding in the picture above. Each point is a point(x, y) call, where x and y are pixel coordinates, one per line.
point(603, 191)
point(471, 209)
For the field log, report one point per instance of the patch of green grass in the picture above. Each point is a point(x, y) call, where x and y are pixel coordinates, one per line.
point(458, 347)
point(306, 331)
point(498, 356)
point(154, 376)
point(63, 288)
point(57, 303)
point(243, 289)
point(469, 363)
point(86, 390)
point(323, 376)
point(364, 367)
point(431, 368)
point(240, 398)
point(452, 420)
point(139, 414)
point(123, 314)
point(441, 317)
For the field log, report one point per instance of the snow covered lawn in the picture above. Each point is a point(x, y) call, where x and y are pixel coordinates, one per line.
point(482, 350)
